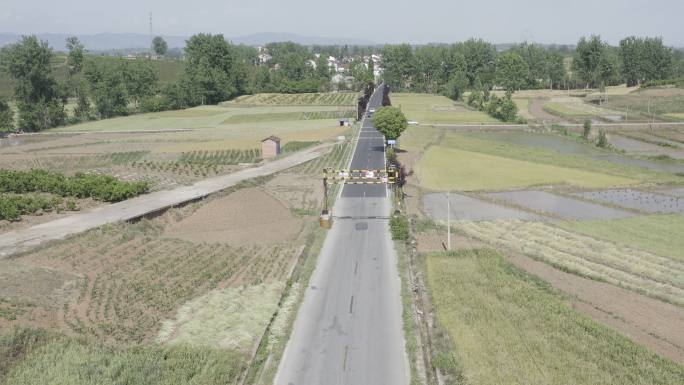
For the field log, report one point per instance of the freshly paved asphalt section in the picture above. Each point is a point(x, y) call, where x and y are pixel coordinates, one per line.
point(14, 242)
point(349, 326)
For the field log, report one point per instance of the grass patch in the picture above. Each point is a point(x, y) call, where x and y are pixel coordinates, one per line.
point(275, 116)
point(30, 356)
point(310, 99)
point(507, 327)
point(643, 272)
point(417, 138)
point(659, 234)
point(444, 168)
point(437, 109)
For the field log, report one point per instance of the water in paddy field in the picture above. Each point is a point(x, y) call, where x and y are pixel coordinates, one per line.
point(567, 146)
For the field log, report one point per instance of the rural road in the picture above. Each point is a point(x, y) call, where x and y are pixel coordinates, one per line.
point(349, 326)
point(18, 241)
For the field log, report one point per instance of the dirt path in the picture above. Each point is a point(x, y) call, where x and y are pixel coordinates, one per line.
point(537, 110)
point(19, 241)
point(652, 323)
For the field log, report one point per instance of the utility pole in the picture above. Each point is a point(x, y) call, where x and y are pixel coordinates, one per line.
point(448, 223)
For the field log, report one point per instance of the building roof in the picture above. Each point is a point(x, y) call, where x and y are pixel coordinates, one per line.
point(273, 138)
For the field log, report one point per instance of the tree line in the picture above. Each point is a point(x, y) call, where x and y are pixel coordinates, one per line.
point(476, 64)
point(214, 71)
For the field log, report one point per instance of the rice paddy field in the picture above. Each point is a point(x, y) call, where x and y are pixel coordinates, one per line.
point(644, 201)
point(436, 109)
point(505, 326)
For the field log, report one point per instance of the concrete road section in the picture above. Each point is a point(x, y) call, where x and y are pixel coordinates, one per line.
point(22, 240)
point(349, 326)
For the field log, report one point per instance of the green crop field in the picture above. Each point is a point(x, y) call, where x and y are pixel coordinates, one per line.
point(658, 234)
point(661, 102)
point(444, 168)
point(436, 109)
point(507, 327)
point(417, 138)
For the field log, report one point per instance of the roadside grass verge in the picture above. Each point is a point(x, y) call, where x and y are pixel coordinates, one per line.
point(443, 168)
point(637, 270)
point(658, 234)
point(437, 109)
point(508, 327)
point(34, 356)
point(542, 156)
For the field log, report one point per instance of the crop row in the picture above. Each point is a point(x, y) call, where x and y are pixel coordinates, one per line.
point(221, 157)
point(326, 99)
point(100, 187)
point(178, 168)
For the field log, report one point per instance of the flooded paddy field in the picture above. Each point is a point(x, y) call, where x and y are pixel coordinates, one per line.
point(638, 200)
point(566, 208)
point(465, 208)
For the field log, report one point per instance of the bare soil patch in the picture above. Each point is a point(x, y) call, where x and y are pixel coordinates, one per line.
point(465, 208)
point(652, 323)
point(639, 200)
point(248, 216)
point(566, 208)
point(299, 192)
point(42, 217)
point(536, 109)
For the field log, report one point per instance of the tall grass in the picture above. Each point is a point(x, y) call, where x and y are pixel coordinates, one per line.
point(507, 327)
point(32, 356)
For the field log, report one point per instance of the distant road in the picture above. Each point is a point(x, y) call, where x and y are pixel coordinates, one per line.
point(22, 240)
point(349, 326)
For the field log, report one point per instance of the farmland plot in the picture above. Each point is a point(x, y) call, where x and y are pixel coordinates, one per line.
point(465, 208)
point(311, 99)
point(507, 327)
point(643, 148)
point(638, 200)
point(641, 271)
point(566, 208)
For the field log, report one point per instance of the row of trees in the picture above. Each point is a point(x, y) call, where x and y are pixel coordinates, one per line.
point(214, 71)
point(476, 64)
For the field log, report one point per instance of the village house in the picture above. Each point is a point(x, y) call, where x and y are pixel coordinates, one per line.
point(270, 147)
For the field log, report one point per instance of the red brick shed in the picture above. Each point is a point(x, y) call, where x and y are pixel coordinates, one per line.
point(270, 147)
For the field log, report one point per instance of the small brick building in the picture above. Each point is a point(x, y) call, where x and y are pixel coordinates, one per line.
point(270, 147)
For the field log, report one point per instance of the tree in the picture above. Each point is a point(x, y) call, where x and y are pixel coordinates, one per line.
point(480, 61)
point(160, 46)
point(587, 129)
point(399, 66)
point(594, 62)
point(456, 86)
point(390, 121)
point(75, 56)
point(139, 78)
point(40, 101)
point(511, 71)
point(6, 116)
point(645, 59)
point(602, 139)
point(107, 88)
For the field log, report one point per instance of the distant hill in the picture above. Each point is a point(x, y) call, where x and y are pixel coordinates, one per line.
point(120, 41)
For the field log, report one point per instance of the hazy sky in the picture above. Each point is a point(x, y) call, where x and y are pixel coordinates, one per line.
point(381, 21)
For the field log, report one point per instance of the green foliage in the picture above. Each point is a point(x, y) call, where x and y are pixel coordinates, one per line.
point(390, 121)
point(12, 206)
point(503, 109)
point(296, 146)
point(76, 55)
point(645, 59)
point(6, 116)
point(602, 139)
point(399, 227)
point(595, 63)
point(456, 86)
point(39, 99)
point(512, 71)
point(101, 187)
point(160, 46)
point(221, 157)
point(586, 129)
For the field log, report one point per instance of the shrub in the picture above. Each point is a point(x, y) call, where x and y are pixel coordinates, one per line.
point(399, 227)
point(587, 129)
point(602, 139)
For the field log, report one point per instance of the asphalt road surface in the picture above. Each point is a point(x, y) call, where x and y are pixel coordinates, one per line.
point(349, 326)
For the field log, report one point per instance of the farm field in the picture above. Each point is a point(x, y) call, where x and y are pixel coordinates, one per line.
point(505, 326)
point(663, 235)
point(576, 109)
point(558, 206)
point(173, 148)
point(311, 99)
point(478, 171)
point(639, 146)
point(665, 103)
point(638, 200)
point(465, 208)
point(435, 109)
point(641, 271)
